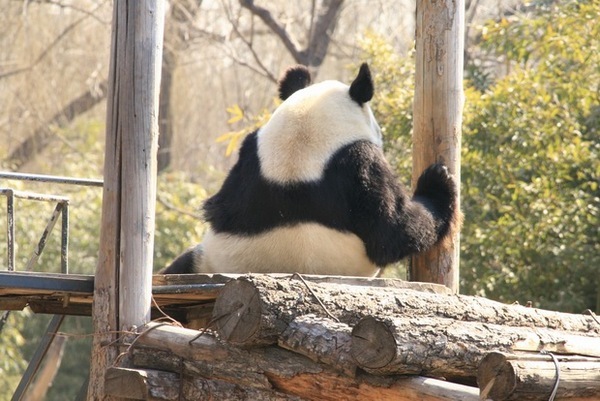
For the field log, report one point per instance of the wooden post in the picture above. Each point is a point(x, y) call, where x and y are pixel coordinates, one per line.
point(437, 113)
point(123, 282)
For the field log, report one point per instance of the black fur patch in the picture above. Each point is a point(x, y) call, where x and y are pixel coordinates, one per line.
point(294, 79)
point(184, 264)
point(358, 193)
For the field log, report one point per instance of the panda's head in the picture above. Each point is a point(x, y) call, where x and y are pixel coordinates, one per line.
point(313, 123)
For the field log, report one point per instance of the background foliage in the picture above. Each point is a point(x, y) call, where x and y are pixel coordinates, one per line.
point(530, 154)
point(530, 164)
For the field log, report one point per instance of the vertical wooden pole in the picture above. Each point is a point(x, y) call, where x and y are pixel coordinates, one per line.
point(438, 105)
point(122, 292)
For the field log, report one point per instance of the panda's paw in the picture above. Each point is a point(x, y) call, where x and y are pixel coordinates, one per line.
point(437, 182)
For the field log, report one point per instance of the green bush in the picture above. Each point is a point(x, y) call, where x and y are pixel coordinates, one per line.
point(530, 155)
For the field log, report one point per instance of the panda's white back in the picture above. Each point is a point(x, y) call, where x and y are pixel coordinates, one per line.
point(308, 128)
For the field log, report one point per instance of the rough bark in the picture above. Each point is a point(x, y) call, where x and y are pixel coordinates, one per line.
point(275, 370)
point(533, 377)
point(122, 287)
point(438, 105)
point(322, 340)
point(157, 385)
point(449, 348)
point(257, 309)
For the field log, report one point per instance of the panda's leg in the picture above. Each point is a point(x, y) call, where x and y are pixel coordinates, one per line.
point(188, 262)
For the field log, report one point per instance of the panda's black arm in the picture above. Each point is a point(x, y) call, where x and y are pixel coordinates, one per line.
point(391, 223)
point(183, 264)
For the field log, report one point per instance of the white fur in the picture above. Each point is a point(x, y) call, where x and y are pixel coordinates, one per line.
point(307, 248)
point(308, 128)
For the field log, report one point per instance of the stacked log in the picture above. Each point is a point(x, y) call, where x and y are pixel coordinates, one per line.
point(290, 338)
point(526, 377)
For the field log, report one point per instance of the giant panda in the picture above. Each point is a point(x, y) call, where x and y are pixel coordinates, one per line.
point(312, 192)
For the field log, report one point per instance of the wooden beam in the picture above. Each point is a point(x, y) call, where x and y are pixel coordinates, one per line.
point(437, 112)
point(122, 290)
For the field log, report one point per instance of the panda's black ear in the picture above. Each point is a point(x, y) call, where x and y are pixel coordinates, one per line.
point(293, 79)
point(361, 89)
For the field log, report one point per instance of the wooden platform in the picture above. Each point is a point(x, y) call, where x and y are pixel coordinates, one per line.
point(183, 297)
point(186, 297)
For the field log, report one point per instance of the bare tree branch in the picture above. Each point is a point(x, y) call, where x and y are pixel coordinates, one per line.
point(262, 69)
point(56, 40)
point(35, 143)
point(319, 32)
point(277, 29)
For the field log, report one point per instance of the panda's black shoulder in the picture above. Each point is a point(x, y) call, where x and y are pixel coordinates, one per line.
point(365, 159)
point(374, 182)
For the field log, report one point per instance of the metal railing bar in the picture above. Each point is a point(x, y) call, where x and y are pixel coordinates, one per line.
point(10, 229)
point(33, 196)
point(185, 288)
point(40, 246)
point(51, 178)
point(39, 354)
point(54, 282)
point(64, 240)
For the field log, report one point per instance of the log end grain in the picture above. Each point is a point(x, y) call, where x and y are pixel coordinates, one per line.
point(373, 344)
point(237, 312)
point(495, 377)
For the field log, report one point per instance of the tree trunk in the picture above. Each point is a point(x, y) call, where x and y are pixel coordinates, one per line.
point(437, 114)
point(256, 309)
point(448, 348)
point(533, 377)
point(165, 124)
point(122, 290)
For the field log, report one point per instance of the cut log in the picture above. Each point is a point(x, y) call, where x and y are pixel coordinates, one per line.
point(532, 377)
point(449, 348)
point(156, 385)
point(256, 309)
point(276, 370)
point(140, 384)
